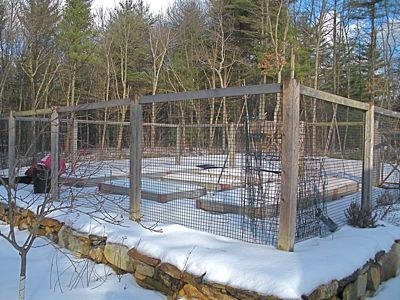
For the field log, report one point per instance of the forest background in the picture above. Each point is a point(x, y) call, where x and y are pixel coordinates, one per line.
point(55, 52)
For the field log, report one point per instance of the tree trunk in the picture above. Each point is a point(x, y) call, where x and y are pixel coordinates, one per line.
point(22, 275)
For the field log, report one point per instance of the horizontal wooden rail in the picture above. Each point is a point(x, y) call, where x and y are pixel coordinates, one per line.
point(313, 93)
point(214, 93)
point(387, 112)
point(27, 113)
point(95, 105)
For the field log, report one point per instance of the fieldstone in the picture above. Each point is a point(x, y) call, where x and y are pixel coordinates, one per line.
point(23, 225)
point(248, 295)
point(96, 240)
point(139, 276)
point(362, 284)
point(389, 263)
point(25, 213)
point(17, 220)
point(51, 224)
point(374, 277)
point(325, 291)
point(350, 291)
point(171, 270)
point(144, 269)
point(357, 289)
point(216, 294)
point(173, 283)
point(97, 254)
point(189, 292)
point(117, 255)
point(379, 255)
point(192, 279)
point(53, 237)
point(152, 284)
point(396, 249)
point(74, 241)
point(143, 258)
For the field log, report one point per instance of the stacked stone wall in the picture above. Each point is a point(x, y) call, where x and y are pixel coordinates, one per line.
point(152, 273)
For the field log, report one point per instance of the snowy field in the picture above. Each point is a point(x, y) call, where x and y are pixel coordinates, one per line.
point(249, 266)
point(53, 274)
point(56, 275)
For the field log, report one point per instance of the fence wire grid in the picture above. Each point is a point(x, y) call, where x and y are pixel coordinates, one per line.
point(215, 164)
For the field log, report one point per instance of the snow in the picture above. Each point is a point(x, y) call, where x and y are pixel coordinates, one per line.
point(53, 274)
point(389, 290)
point(259, 268)
point(263, 269)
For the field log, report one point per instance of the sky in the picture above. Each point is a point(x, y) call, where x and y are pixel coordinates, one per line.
point(155, 5)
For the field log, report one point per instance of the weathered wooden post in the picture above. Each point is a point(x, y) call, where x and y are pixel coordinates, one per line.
point(377, 169)
point(290, 164)
point(178, 145)
point(231, 145)
point(368, 162)
point(11, 152)
point(135, 149)
point(74, 144)
point(55, 137)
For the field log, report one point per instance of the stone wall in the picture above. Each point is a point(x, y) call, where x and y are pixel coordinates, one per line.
point(151, 273)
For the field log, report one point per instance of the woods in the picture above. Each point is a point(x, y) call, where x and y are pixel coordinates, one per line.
point(65, 53)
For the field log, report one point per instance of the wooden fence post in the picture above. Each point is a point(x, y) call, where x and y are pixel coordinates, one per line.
point(377, 169)
point(55, 137)
point(231, 145)
point(368, 162)
point(290, 164)
point(135, 179)
point(11, 152)
point(74, 144)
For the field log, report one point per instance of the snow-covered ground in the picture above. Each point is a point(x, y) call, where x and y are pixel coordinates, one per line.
point(389, 290)
point(53, 274)
point(249, 266)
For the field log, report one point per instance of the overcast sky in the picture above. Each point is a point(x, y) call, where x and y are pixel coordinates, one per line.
point(155, 5)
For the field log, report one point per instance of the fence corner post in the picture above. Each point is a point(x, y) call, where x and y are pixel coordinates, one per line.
point(135, 153)
point(368, 162)
point(55, 136)
point(11, 153)
point(289, 164)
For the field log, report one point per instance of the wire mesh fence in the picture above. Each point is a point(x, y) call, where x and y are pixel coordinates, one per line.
point(333, 154)
point(214, 172)
point(215, 164)
point(386, 176)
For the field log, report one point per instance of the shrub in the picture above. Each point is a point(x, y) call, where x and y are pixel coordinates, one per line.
point(360, 217)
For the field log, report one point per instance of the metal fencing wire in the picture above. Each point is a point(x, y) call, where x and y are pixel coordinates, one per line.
point(214, 165)
point(95, 146)
point(32, 141)
point(386, 173)
point(333, 153)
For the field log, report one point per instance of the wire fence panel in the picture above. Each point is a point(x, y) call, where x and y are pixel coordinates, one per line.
point(333, 158)
point(95, 146)
point(214, 165)
point(386, 175)
point(33, 141)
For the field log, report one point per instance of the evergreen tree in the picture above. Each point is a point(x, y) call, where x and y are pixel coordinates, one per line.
point(77, 44)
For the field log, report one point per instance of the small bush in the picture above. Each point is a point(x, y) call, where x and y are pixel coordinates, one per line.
point(360, 217)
